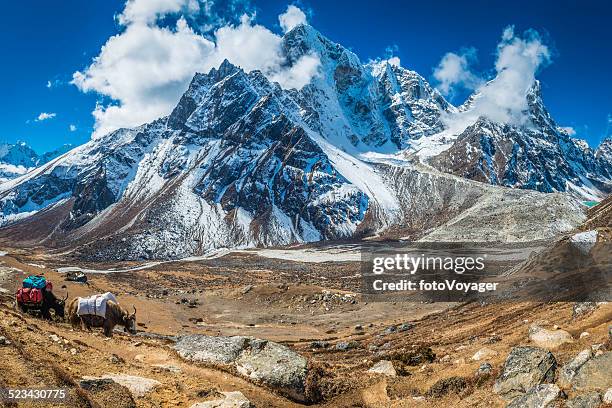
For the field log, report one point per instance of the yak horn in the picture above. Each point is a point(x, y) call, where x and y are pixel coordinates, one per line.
point(66, 298)
point(134, 309)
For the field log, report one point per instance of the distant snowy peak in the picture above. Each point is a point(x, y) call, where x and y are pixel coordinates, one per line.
point(604, 151)
point(17, 159)
point(18, 154)
point(363, 107)
point(536, 154)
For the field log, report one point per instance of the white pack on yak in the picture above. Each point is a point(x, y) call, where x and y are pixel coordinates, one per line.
point(101, 310)
point(95, 305)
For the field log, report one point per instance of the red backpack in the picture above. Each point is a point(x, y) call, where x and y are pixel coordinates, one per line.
point(29, 296)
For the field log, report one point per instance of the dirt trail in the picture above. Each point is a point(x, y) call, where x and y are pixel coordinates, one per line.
point(265, 305)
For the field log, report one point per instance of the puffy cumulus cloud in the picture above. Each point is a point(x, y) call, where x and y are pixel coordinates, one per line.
point(72, 128)
point(45, 116)
point(144, 69)
point(395, 61)
point(291, 18)
point(568, 129)
point(454, 71)
point(147, 11)
point(504, 98)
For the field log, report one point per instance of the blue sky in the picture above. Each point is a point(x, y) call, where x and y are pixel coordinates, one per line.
point(46, 42)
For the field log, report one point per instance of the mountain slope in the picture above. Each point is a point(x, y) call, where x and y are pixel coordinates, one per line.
point(536, 156)
point(241, 162)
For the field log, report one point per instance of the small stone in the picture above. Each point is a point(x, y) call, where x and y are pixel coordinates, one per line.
point(55, 338)
point(73, 351)
point(581, 308)
point(168, 368)
point(608, 396)
point(115, 359)
point(445, 359)
point(346, 345)
point(383, 367)
point(319, 344)
point(359, 328)
point(584, 334)
point(405, 327)
point(484, 354)
point(4, 341)
point(484, 369)
point(233, 399)
point(547, 338)
point(390, 330)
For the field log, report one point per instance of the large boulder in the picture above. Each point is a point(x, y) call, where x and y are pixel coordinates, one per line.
point(261, 361)
point(539, 396)
point(594, 374)
point(525, 368)
point(549, 339)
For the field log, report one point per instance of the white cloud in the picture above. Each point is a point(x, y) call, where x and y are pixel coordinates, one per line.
point(45, 116)
point(503, 99)
point(395, 61)
point(454, 71)
point(72, 128)
point(291, 18)
point(49, 84)
point(148, 11)
point(146, 68)
point(568, 129)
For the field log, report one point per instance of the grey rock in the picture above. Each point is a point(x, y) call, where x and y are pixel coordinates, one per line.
point(383, 367)
point(539, 396)
point(549, 338)
point(525, 367)
point(607, 398)
point(91, 383)
point(319, 344)
point(587, 400)
point(405, 327)
point(346, 345)
point(390, 330)
point(209, 349)
point(275, 365)
point(595, 374)
point(582, 308)
point(233, 399)
point(261, 361)
point(138, 386)
point(484, 369)
point(569, 370)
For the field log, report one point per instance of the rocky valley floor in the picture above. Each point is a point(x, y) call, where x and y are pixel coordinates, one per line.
point(356, 353)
